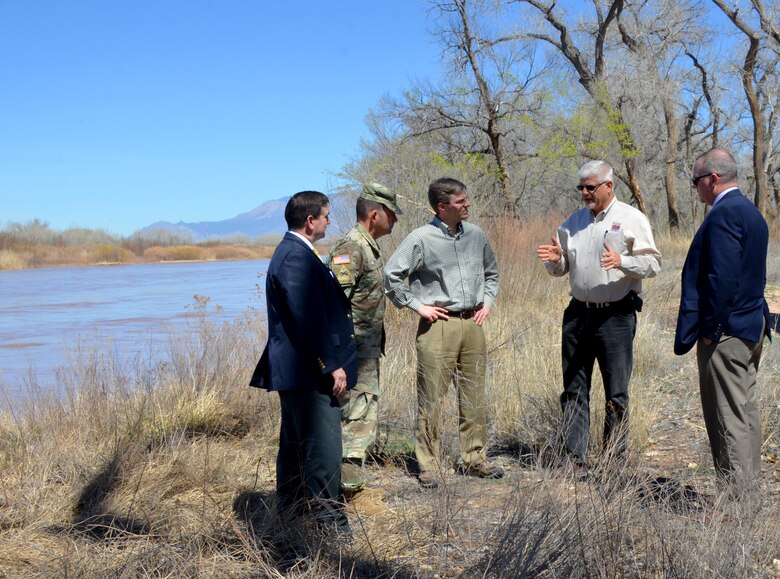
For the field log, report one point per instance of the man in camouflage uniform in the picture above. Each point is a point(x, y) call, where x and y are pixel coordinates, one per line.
point(357, 263)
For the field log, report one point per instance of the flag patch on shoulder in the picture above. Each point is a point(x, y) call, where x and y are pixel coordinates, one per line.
point(341, 259)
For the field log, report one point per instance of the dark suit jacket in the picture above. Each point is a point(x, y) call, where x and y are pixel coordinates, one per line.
point(310, 331)
point(724, 276)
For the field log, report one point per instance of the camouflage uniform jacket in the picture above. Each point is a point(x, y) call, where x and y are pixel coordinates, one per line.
point(357, 263)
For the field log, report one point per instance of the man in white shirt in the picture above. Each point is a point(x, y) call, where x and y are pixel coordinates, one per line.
point(607, 248)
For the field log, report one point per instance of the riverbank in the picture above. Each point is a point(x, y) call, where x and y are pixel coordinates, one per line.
point(32, 256)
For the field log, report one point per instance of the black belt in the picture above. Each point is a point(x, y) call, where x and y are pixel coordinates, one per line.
point(464, 314)
point(595, 305)
point(602, 305)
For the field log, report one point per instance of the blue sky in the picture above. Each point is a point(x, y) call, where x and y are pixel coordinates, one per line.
point(116, 114)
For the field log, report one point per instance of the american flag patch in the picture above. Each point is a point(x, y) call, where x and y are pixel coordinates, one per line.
point(615, 227)
point(341, 259)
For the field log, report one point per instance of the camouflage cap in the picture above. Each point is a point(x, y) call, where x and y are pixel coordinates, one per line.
point(380, 194)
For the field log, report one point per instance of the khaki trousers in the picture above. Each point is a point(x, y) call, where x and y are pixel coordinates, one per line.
point(447, 351)
point(727, 383)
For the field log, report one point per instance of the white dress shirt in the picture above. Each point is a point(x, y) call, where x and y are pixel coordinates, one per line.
point(582, 236)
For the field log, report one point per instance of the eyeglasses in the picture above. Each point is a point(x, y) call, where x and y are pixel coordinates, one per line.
point(459, 202)
point(590, 188)
point(695, 180)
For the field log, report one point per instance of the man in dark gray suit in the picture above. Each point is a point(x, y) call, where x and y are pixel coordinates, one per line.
point(724, 313)
point(310, 359)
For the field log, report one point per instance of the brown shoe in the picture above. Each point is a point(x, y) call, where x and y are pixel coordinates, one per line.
point(482, 470)
point(428, 480)
point(352, 478)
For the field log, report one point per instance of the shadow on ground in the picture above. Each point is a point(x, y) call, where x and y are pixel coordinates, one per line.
point(296, 544)
point(91, 518)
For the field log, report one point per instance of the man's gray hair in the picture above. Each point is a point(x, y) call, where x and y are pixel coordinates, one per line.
point(721, 162)
point(600, 169)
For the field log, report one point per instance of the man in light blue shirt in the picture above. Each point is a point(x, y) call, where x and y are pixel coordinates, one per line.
point(452, 284)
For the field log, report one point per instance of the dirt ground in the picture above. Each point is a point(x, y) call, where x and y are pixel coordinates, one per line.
point(773, 298)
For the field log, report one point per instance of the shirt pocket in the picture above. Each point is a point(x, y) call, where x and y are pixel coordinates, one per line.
point(616, 240)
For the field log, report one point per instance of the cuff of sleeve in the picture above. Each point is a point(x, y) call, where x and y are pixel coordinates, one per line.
point(554, 268)
point(323, 366)
point(414, 304)
point(714, 335)
point(628, 264)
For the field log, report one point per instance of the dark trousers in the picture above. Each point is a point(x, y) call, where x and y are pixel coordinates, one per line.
point(588, 335)
point(308, 466)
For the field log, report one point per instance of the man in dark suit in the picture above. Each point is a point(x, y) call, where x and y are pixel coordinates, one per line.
point(723, 312)
point(310, 359)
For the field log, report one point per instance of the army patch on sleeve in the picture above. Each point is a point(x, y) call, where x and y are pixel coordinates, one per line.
point(341, 259)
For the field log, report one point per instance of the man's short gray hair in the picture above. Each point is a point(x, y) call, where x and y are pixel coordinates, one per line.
point(600, 169)
point(721, 162)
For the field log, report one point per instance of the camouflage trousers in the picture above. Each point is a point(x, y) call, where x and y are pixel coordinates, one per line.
point(359, 412)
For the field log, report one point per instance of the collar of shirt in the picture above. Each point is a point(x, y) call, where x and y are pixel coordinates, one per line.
point(306, 241)
point(371, 241)
point(446, 228)
point(603, 213)
point(721, 194)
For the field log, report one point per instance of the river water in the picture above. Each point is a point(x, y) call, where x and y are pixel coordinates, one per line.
point(47, 313)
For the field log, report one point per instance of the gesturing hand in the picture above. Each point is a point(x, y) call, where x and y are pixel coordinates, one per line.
point(550, 252)
point(610, 259)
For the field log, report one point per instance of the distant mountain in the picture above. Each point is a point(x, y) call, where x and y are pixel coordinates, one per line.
point(266, 219)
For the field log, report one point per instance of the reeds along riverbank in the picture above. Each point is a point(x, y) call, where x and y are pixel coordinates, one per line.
point(167, 468)
point(31, 256)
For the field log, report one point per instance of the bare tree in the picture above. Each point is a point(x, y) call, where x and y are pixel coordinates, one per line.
point(478, 113)
point(760, 83)
point(651, 100)
point(651, 47)
point(713, 108)
point(591, 74)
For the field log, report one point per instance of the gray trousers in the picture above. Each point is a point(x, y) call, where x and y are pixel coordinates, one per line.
point(727, 384)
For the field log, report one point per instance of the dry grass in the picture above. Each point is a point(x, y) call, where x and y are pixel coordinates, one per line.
point(31, 256)
point(233, 252)
point(12, 260)
point(166, 468)
point(175, 253)
point(107, 253)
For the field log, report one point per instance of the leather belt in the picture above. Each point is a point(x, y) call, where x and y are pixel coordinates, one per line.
point(602, 305)
point(597, 305)
point(464, 314)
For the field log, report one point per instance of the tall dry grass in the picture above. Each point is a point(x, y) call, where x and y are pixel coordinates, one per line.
point(163, 466)
point(22, 257)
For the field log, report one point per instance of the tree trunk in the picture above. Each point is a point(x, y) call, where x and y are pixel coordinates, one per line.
point(670, 175)
point(507, 193)
point(761, 199)
point(633, 185)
